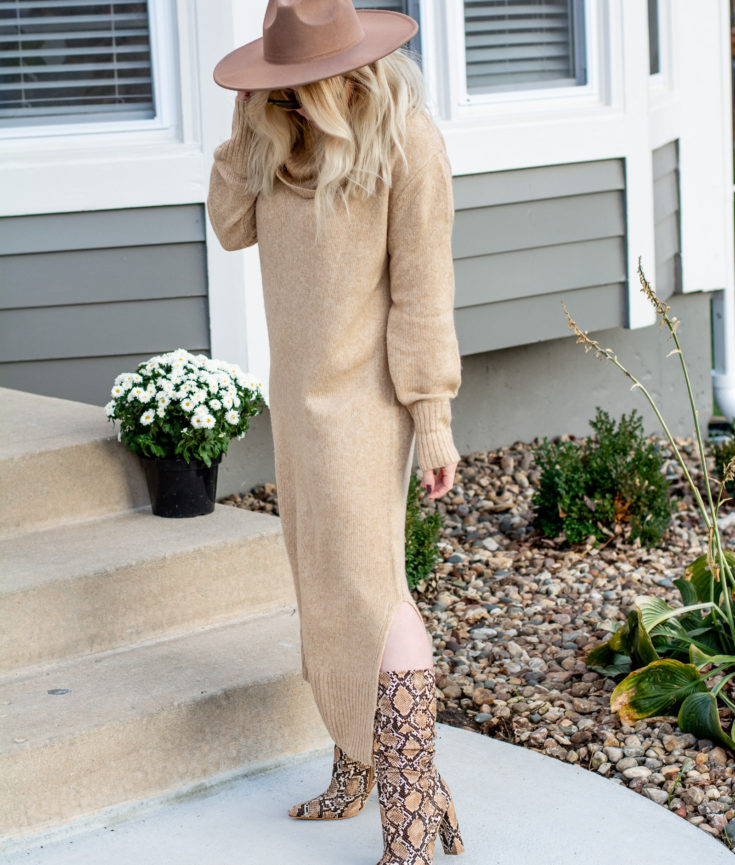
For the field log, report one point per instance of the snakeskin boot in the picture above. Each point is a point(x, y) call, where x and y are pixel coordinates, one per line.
point(415, 802)
point(346, 795)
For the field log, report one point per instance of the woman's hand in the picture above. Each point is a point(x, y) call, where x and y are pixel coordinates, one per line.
point(243, 95)
point(436, 482)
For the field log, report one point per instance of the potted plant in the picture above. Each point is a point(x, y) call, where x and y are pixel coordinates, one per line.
point(178, 412)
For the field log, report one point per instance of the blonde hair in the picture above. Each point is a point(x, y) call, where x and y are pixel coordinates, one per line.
point(362, 129)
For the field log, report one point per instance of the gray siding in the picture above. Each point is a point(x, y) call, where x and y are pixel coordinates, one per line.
point(666, 218)
point(87, 295)
point(526, 239)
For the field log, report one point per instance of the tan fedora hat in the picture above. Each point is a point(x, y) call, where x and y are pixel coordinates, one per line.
point(306, 40)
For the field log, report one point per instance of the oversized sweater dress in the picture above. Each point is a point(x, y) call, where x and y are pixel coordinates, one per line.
point(364, 362)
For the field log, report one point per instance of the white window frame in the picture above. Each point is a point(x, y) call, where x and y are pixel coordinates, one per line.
point(162, 21)
point(661, 82)
point(99, 165)
point(460, 103)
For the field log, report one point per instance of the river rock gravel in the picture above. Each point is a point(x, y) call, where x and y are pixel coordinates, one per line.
point(513, 615)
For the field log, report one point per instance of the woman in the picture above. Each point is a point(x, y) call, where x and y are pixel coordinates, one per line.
point(337, 171)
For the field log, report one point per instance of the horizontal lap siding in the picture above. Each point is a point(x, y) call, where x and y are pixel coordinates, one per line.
point(666, 218)
point(526, 239)
point(87, 295)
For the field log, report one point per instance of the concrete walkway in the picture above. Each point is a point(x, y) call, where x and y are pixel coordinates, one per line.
point(514, 806)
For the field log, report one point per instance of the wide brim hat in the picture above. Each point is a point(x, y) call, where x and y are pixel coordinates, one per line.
point(307, 40)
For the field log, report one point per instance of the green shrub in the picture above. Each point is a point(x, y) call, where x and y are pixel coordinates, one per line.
point(589, 486)
point(422, 537)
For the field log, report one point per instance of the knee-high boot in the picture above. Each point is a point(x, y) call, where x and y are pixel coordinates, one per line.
point(415, 802)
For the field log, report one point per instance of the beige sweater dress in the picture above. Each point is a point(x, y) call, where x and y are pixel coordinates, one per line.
point(364, 362)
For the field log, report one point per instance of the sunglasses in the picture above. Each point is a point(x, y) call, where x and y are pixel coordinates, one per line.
point(290, 103)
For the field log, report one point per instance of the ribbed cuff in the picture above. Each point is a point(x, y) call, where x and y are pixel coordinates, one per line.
point(432, 419)
point(232, 155)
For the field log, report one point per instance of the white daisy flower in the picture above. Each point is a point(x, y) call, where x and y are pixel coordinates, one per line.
point(236, 401)
point(163, 399)
point(124, 380)
point(137, 393)
point(215, 404)
point(187, 404)
point(201, 409)
point(110, 408)
point(232, 417)
point(198, 421)
point(117, 390)
point(227, 401)
point(147, 417)
point(208, 421)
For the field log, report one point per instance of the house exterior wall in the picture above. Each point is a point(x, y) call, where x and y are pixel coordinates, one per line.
point(526, 239)
point(666, 218)
point(559, 192)
point(88, 295)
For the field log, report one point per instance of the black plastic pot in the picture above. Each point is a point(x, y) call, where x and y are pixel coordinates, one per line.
point(181, 489)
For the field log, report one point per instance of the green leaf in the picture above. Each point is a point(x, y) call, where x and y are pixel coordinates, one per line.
point(701, 578)
point(656, 610)
point(698, 715)
point(658, 689)
point(700, 658)
point(687, 590)
point(642, 650)
point(619, 641)
point(607, 662)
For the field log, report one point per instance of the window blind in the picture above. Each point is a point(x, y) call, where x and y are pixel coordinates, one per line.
point(74, 59)
point(514, 44)
point(391, 5)
point(408, 7)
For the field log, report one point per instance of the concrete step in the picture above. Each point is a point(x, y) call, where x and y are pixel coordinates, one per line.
point(110, 582)
point(123, 726)
point(513, 805)
point(60, 461)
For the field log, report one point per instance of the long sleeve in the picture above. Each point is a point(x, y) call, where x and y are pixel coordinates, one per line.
point(423, 352)
point(231, 208)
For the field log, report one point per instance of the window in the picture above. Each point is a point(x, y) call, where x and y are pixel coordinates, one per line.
point(74, 61)
point(654, 50)
point(408, 7)
point(524, 44)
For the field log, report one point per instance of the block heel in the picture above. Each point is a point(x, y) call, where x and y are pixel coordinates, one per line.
point(449, 827)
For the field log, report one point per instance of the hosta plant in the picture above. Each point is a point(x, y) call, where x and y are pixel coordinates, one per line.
point(184, 406)
point(677, 660)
